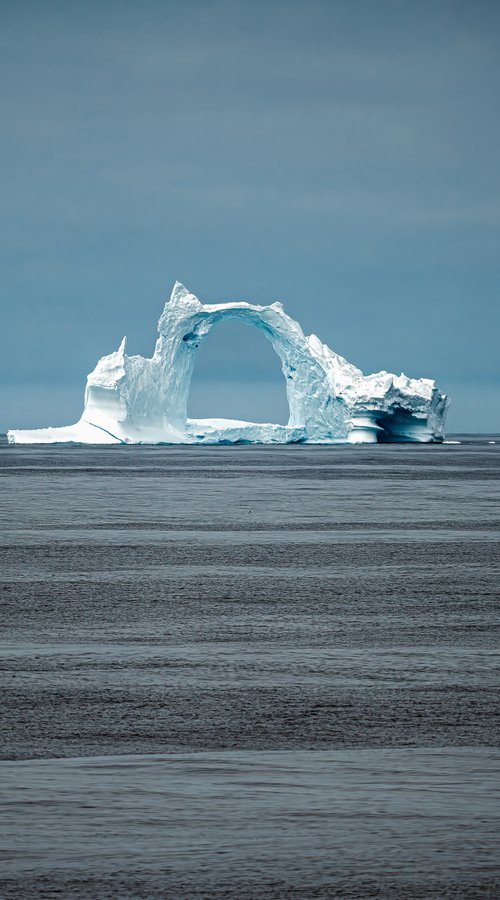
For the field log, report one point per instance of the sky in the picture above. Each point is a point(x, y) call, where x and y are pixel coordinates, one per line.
point(338, 155)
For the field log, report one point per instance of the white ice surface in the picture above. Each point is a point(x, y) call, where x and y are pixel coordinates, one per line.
point(131, 399)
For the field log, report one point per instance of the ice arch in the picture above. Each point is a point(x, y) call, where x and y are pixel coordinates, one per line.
point(131, 399)
point(186, 322)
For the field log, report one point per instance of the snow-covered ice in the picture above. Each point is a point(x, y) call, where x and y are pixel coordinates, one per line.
point(130, 399)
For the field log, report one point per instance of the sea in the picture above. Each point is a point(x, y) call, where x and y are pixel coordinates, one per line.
point(250, 671)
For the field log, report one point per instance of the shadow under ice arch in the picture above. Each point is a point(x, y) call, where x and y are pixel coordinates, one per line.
point(130, 399)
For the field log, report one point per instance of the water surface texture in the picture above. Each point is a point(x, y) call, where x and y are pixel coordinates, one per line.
point(250, 671)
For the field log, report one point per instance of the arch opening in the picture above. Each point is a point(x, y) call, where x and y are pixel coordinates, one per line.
point(237, 375)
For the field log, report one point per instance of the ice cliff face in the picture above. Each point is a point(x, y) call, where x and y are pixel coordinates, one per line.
point(130, 399)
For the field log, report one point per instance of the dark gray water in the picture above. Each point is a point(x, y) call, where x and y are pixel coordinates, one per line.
point(250, 672)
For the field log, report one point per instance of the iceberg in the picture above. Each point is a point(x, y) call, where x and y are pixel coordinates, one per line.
point(131, 399)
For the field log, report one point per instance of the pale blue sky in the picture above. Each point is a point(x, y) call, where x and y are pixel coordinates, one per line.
point(339, 156)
